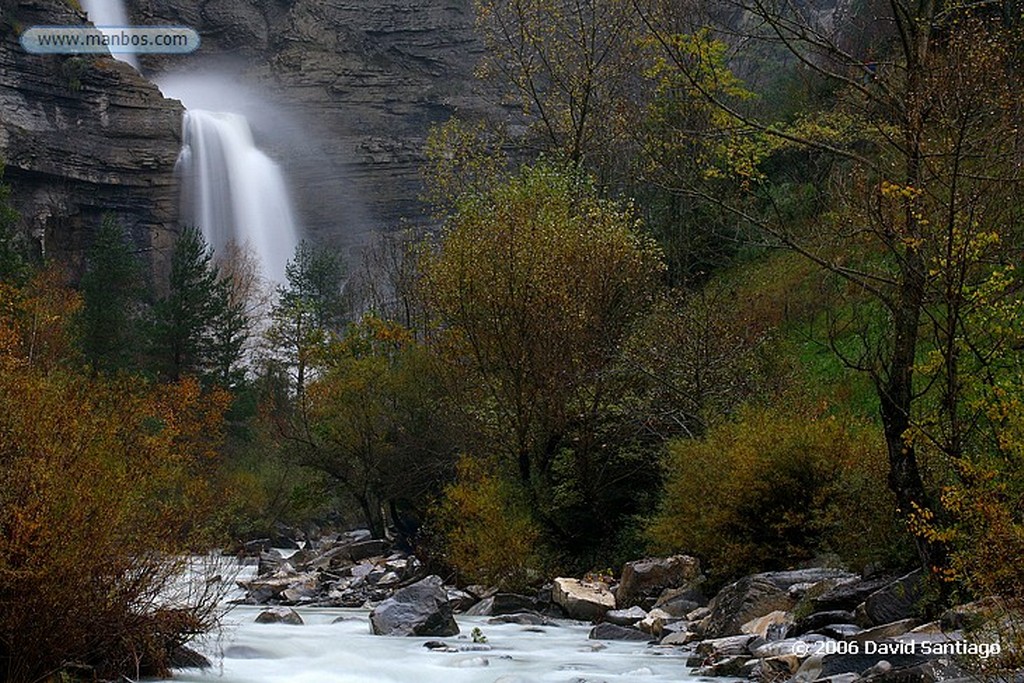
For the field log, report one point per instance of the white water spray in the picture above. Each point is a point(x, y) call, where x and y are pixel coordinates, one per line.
point(234, 192)
point(110, 13)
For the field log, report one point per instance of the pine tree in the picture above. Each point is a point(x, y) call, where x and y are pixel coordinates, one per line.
point(111, 288)
point(13, 265)
point(311, 309)
point(199, 330)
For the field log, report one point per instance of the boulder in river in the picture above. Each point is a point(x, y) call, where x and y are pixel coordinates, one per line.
point(749, 598)
point(649, 577)
point(586, 601)
point(897, 601)
point(279, 615)
point(421, 609)
point(608, 631)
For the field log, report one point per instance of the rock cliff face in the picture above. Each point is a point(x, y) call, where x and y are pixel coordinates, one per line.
point(83, 136)
point(341, 92)
point(358, 84)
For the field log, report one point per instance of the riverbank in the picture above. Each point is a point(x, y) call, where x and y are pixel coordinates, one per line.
point(810, 625)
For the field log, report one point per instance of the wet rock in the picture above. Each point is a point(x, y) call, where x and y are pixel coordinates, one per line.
point(460, 600)
point(678, 638)
point(655, 622)
point(898, 600)
point(839, 678)
point(679, 602)
point(848, 594)
point(772, 626)
point(279, 615)
point(818, 620)
point(649, 577)
point(363, 550)
point(186, 658)
point(523, 619)
point(891, 630)
point(606, 631)
point(840, 631)
point(781, 665)
point(728, 667)
point(739, 602)
point(584, 601)
point(502, 603)
point(801, 646)
point(719, 648)
point(421, 609)
point(698, 614)
point(270, 562)
point(625, 617)
point(840, 664)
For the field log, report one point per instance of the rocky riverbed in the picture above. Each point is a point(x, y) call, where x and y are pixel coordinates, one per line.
point(807, 625)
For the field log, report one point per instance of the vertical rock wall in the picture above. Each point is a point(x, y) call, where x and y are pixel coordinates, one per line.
point(82, 136)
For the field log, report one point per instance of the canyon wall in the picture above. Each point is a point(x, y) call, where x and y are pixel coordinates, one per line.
point(82, 136)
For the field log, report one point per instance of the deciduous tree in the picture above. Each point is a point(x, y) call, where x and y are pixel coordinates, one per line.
point(535, 287)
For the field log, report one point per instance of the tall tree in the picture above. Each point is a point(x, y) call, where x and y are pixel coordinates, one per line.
point(199, 330)
point(569, 67)
point(310, 311)
point(537, 284)
point(925, 133)
point(111, 288)
point(13, 264)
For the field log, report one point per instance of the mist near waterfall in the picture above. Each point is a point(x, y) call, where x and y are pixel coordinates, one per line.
point(325, 204)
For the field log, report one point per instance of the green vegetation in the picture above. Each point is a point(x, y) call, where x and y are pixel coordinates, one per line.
point(111, 286)
point(678, 306)
point(773, 488)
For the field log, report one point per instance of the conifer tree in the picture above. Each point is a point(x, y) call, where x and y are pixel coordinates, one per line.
point(111, 288)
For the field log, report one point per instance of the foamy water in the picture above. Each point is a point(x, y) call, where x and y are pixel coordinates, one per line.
point(324, 652)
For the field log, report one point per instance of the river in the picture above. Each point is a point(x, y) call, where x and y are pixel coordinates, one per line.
point(321, 651)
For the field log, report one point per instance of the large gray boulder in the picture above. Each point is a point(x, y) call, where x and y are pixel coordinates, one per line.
point(899, 600)
point(421, 609)
point(749, 598)
point(759, 594)
point(586, 601)
point(608, 631)
point(279, 615)
point(847, 595)
point(649, 577)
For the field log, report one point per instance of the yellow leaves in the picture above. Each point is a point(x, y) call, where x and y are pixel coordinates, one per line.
point(489, 535)
point(891, 190)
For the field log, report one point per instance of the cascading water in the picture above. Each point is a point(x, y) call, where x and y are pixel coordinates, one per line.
point(231, 191)
point(234, 192)
point(110, 13)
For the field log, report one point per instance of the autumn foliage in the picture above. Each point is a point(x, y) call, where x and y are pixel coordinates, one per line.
point(103, 481)
point(768, 490)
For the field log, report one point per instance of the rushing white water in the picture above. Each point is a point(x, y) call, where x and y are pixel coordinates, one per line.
point(234, 192)
point(110, 13)
point(324, 652)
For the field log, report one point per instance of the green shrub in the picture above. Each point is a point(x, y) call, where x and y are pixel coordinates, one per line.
point(774, 489)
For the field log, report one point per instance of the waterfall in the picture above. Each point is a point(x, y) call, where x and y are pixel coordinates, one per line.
point(110, 13)
point(230, 190)
point(234, 192)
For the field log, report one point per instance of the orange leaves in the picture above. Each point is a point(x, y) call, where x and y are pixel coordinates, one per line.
point(100, 475)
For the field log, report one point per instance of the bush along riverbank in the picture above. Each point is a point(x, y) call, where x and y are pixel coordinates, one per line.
point(805, 625)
